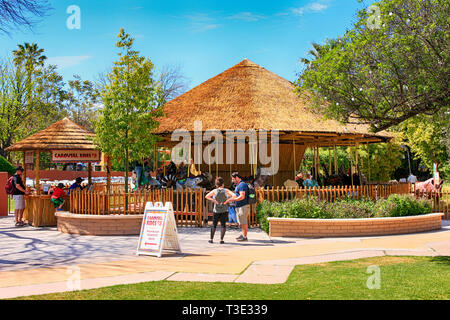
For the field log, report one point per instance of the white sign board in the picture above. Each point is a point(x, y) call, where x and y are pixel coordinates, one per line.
point(158, 230)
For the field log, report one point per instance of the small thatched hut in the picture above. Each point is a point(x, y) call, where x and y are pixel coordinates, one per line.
point(249, 97)
point(62, 135)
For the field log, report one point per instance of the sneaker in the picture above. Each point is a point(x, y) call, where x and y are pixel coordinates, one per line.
point(210, 241)
point(241, 238)
point(222, 242)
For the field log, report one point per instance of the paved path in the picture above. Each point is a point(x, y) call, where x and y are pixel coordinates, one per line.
point(37, 261)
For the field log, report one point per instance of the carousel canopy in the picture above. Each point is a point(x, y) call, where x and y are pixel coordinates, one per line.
point(62, 135)
point(247, 96)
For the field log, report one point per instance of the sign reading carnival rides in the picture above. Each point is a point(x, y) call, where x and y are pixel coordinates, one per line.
point(75, 156)
point(158, 230)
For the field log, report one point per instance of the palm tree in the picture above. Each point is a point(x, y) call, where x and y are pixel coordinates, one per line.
point(319, 50)
point(29, 56)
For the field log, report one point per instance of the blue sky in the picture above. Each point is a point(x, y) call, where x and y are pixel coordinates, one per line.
point(203, 37)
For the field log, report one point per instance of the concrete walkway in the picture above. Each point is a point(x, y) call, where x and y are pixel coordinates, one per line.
point(39, 261)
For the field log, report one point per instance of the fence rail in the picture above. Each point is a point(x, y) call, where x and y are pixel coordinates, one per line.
point(192, 209)
point(188, 204)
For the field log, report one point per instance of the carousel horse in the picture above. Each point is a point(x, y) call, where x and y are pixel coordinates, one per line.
point(261, 181)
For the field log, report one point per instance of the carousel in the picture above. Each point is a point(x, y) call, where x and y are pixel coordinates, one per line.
point(223, 125)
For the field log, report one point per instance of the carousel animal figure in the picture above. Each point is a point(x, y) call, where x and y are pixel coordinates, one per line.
point(333, 179)
point(169, 181)
point(261, 181)
point(290, 183)
point(428, 186)
point(299, 178)
point(205, 181)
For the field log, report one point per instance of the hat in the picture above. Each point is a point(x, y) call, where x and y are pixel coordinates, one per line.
point(79, 179)
point(19, 168)
point(60, 185)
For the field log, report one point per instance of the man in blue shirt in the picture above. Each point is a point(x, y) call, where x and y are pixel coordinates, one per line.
point(76, 184)
point(242, 206)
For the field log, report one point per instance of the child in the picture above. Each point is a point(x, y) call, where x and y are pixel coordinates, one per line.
point(220, 197)
point(57, 197)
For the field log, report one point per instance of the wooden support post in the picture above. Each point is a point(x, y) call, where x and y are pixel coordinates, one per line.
point(37, 167)
point(108, 174)
point(295, 168)
point(336, 169)
point(329, 161)
point(89, 173)
point(24, 175)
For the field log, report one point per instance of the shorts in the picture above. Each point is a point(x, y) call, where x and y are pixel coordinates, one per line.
point(242, 214)
point(57, 201)
point(19, 201)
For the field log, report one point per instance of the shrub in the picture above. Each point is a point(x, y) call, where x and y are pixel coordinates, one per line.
point(313, 208)
point(6, 166)
point(397, 205)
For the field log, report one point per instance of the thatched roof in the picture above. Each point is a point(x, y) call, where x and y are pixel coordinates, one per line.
point(62, 135)
point(247, 96)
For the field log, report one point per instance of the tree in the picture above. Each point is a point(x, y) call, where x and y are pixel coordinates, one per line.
point(82, 97)
point(427, 137)
point(29, 57)
point(19, 13)
point(132, 101)
point(172, 81)
point(385, 74)
point(380, 160)
point(18, 117)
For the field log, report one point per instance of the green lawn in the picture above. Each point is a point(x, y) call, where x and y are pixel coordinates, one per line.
point(400, 278)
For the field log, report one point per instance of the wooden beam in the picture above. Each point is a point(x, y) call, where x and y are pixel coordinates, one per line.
point(89, 173)
point(36, 169)
point(24, 176)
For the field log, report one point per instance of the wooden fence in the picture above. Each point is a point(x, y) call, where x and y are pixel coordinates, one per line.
point(188, 204)
point(192, 209)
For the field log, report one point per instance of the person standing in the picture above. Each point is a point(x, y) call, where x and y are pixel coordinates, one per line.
point(219, 196)
point(242, 206)
point(57, 197)
point(76, 185)
point(18, 196)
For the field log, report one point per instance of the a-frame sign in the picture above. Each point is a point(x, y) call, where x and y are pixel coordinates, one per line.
point(158, 230)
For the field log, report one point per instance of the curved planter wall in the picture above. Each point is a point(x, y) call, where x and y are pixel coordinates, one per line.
point(94, 225)
point(290, 227)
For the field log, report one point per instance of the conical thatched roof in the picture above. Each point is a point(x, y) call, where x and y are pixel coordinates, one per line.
point(62, 135)
point(247, 96)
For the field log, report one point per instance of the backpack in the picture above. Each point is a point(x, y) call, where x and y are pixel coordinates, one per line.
point(9, 187)
point(221, 197)
point(251, 194)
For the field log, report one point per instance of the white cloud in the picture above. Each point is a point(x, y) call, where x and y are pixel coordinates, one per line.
point(200, 22)
point(246, 16)
point(64, 62)
point(312, 7)
point(204, 27)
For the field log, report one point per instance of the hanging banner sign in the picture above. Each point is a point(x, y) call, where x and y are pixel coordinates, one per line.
point(158, 230)
point(75, 156)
